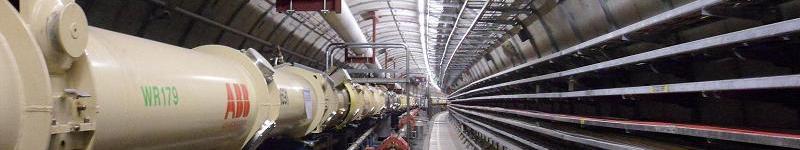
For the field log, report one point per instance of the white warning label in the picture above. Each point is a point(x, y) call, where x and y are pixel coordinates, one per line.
point(308, 102)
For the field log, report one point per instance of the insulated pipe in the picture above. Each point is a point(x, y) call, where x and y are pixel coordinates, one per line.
point(207, 97)
point(361, 138)
point(121, 91)
point(347, 27)
point(304, 98)
point(111, 90)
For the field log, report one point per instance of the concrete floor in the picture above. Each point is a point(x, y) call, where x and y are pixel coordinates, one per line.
point(442, 135)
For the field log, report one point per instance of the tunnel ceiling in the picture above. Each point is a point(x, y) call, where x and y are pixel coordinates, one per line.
point(460, 32)
point(301, 35)
point(451, 36)
point(396, 22)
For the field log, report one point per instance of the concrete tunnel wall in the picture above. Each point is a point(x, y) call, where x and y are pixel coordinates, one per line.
point(571, 22)
point(144, 19)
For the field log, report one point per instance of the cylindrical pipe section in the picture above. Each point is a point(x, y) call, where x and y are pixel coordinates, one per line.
point(303, 100)
point(347, 27)
point(127, 92)
point(24, 85)
point(356, 100)
point(152, 95)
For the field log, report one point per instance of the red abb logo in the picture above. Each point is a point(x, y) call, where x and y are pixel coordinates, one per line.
point(238, 101)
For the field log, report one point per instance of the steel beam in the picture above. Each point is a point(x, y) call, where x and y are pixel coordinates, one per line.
point(478, 17)
point(776, 82)
point(760, 32)
point(373, 71)
point(687, 9)
point(379, 80)
point(455, 26)
point(582, 139)
point(494, 137)
point(732, 134)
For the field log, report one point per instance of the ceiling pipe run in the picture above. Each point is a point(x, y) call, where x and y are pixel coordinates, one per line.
point(347, 27)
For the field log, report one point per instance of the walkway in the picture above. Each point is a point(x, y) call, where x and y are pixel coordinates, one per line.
point(442, 134)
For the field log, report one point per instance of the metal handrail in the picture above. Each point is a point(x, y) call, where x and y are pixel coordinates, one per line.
point(330, 48)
